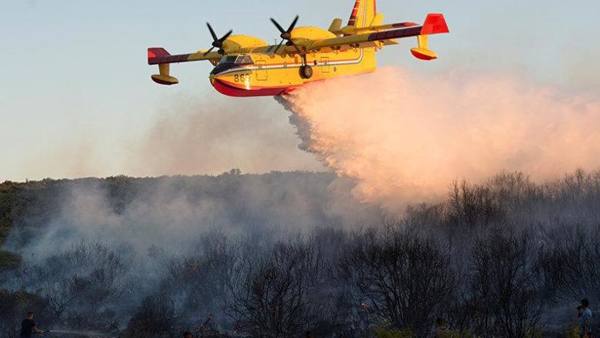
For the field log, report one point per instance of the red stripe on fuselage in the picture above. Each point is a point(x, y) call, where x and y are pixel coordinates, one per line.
point(229, 90)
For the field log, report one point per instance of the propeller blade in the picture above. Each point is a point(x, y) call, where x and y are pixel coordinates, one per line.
point(293, 25)
point(278, 26)
point(208, 51)
point(278, 47)
point(212, 32)
point(217, 42)
point(226, 36)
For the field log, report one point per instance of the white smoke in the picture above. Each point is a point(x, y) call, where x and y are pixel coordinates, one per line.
point(173, 213)
point(405, 138)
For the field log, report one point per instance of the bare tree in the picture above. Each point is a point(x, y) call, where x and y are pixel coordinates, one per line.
point(569, 261)
point(506, 285)
point(405, 278)
point(199, 282)
point(154, 318)
point(472, 205)
point(272, 296)
point(78, 283)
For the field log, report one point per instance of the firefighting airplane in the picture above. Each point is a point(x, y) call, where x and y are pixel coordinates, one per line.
point(248, 66)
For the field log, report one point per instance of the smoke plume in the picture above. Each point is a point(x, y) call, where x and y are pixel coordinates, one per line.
point(405, 138)
point(211, 136)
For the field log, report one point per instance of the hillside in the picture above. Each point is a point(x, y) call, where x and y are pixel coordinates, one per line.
point(296, 199)
point(283, 253)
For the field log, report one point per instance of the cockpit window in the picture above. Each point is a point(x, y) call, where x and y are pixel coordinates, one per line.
point(228, 59)
point(237, 59)
point(244, 60)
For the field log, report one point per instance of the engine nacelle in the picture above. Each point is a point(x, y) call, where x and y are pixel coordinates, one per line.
point(237, 43)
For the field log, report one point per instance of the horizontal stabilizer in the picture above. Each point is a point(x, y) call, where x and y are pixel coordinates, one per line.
point(434, 24)
point(336, 26)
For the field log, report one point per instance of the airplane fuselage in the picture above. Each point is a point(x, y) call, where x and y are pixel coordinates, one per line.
point(267, 74)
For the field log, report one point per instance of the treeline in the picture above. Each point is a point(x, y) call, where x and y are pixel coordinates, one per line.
point(333, 284)
point(508, 258)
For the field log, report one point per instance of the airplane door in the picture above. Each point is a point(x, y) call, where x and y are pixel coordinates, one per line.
point(261, 72)
point(324, 65)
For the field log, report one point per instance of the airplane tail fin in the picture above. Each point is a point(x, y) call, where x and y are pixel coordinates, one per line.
point(363, 13)
point(434, 24)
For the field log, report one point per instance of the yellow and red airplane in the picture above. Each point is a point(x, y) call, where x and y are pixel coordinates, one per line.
point(248, 66)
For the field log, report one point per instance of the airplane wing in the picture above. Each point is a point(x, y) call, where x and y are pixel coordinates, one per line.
point(162, 58)
point(157, 56)
point(434, 24)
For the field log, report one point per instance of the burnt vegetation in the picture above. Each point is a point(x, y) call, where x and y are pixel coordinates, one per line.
point(508, 258)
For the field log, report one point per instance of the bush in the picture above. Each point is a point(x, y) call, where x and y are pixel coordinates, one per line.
point(406, 279)
point(9, 261)
point(506, 286)
point(154, 318)
point(387, 333)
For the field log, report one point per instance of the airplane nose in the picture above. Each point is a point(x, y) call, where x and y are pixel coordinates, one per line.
point(213, 78)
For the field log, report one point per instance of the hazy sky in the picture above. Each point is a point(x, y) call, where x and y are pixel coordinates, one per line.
point(76, 99)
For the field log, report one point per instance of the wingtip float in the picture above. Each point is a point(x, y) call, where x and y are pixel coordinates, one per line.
point(248, 66)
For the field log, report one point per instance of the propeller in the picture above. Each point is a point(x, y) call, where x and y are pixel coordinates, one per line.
point(217, 42)
point(286, 35)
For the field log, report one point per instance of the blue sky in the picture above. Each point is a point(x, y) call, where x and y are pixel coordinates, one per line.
point(76, 83)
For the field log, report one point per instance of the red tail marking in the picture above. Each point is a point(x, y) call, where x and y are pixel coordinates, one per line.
point(156, 52)
point(435, 24)
point(352, 20)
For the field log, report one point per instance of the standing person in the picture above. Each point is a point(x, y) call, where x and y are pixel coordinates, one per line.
point(28, 327)
point(585, 319)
